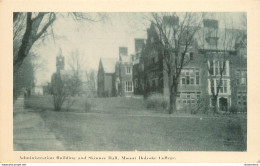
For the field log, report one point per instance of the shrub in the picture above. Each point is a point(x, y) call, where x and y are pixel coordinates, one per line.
point(202, 106)
point(157, 101)
point(233, 109)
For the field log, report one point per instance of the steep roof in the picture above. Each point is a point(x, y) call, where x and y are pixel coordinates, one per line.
point(227, 39)
point(108, 64)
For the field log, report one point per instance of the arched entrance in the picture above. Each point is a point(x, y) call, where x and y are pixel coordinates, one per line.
point(223, 104)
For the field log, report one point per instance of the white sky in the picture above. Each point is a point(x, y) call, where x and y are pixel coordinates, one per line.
point(92, 40)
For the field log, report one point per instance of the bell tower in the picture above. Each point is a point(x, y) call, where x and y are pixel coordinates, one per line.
point(59, 62)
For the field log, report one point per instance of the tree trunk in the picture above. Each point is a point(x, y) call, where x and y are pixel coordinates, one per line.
point(215, 107)
point(172, 108)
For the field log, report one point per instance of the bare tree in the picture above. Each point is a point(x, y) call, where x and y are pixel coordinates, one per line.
point(36, 25)
point(76, 63)
point(31, 26)
point(91, 82)
point(217, 46)
point(67, 85)
point(176, 33)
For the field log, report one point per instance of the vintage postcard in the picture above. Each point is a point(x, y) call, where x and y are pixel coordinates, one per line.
point(110, 81)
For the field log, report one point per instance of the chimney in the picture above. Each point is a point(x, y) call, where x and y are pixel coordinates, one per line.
point(171, 20)
point(139, 43)
point(210, 23)
point(123, 51)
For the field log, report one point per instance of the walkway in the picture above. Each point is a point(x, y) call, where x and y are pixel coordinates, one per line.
point(30, 132)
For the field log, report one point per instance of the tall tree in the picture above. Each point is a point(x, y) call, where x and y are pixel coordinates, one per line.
point(75, 64)
point(91, 82)
point(217, 44)
point(30, 27)
point(176, 33)
point(36, 25)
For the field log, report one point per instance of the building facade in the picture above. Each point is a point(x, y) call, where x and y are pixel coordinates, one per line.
point(105, 77)
point(215, 68)
point(115, 77)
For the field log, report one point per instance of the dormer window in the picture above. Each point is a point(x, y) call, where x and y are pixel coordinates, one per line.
point(128, 70)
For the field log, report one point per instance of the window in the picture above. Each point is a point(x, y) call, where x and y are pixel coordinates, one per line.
point(191, 81)
point(220, 84)
point(128, 70)
point(211, 67)
point(212, 86)
point(223, 65)
point(197, 77)
point(241, 77)
point(191, 56)
point(225, 86)
point(188, 97)
point(183, 80)
point(216, 67)
point(242, 99)
point(187, 80)
point(178, 94)
point(128, 86)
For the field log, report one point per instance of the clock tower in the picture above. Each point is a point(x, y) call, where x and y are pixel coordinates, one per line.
point(59, 62)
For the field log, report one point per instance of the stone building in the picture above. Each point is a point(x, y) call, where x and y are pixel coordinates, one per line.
point(115, 76)
point(106, 71)
point(212, 49)
point(123, 74)
point(138, 67)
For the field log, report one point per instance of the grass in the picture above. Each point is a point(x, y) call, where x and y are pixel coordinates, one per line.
point(119, 132)
point(123, 124)
point(104, 105)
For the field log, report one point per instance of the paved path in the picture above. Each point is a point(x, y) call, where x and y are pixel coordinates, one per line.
point(30, 132)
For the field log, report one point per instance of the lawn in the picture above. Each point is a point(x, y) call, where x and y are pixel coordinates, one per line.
point(123, 124)
point(120, 132)
point(104, 105)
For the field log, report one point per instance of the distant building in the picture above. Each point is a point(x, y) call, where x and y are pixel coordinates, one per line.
point(106, 71)
point(123, 80)
point(115, 76)
point(138, 67)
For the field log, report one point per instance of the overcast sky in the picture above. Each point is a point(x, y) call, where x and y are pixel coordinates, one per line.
point(93, 40)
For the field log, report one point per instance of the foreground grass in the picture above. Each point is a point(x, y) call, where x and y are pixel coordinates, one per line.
point(123, 124)
point(118, 132)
